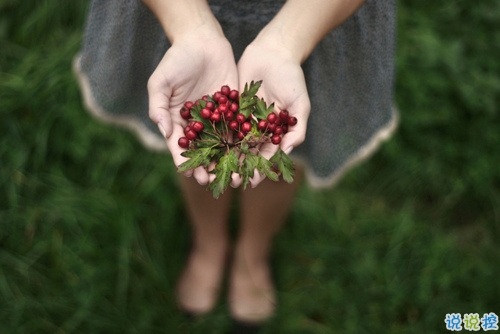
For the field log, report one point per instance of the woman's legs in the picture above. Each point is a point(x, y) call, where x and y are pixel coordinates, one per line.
point(263, 211)
point(199, 284)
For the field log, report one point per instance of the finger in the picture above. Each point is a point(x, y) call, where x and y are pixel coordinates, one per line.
point(297, 133)
point(256, 179)
point(209, 169)
point(201, 175)
point(176, 150)
point(293, 138)
point(158, 106)
point(236, 180)
point(266, 151)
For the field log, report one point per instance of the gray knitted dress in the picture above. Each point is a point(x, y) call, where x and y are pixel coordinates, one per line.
point(349, 76)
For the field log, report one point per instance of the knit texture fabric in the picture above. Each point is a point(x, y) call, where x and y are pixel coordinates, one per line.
point(349, 75)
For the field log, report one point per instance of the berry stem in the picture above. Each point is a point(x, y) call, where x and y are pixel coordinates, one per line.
point(211, 134)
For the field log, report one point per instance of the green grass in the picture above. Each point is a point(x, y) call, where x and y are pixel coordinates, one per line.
point(93, 234)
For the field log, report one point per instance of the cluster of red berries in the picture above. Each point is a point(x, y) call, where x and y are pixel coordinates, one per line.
point(222, 110)
point(277, 125)
point(224, 133)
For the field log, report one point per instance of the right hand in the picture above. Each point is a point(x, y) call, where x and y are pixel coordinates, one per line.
point(198, 63)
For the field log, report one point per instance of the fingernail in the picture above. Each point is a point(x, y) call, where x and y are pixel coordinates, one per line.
point(288, 150)
point(162, 130)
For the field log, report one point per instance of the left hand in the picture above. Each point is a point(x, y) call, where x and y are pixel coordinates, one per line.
point(284, 84)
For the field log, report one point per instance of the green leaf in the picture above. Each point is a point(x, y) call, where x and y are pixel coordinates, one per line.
point(195, 111)
point(223, 170)
point(244, 148)
point(199, 157)
point(261, 110)
point(284, 164)
point(246, 111)
point(248, 98)
point(248, 103)
point(217, 153)
point(254, 87)
point(270, 109)
point(250, 90)
point(195, 114)
point(207, 140)
point(248, 167)
point(264, 167)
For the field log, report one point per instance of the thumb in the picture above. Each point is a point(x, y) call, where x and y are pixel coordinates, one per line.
point(297, 133)
point(159, 102)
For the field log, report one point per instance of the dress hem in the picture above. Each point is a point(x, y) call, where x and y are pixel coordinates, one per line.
point(152, 141)
point(146, 137)
point(362, 154)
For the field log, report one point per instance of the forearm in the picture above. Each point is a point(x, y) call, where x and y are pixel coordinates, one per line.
point(179, 17)
point(301, 24)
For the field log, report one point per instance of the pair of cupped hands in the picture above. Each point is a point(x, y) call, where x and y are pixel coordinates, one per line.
point(198, 64)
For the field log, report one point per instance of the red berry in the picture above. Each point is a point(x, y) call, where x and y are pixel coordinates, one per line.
point(217, 96)
point(285, 128)
point(185, 113)
point(223, 107)
point(262, 126)
point(272, 117)
point(278, 130)
point(292, 120)
point(276, 139)
point(204, 97)
point(272, 127)
point(240, 118)
point(234, 95)
point(183, 142)
point(233, 125)
point(283, 116)
point(191, 134)
point(225, 90)
point(228, 115)
point(198, 126)
point(187, 129)
point(246, 127)
point(188, 104)
point(222, 100)
point(205, 113)
point(210, 105)
point(234, 107)
point(241, 135)
point(215, 116)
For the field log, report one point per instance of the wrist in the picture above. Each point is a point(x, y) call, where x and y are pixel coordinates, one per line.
point(207, 28)
point(301, 24)
point(279, 40)
point(187, 17)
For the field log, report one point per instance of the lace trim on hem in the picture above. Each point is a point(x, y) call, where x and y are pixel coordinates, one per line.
point(155, 143)
point(146, 137)
point(366, 151)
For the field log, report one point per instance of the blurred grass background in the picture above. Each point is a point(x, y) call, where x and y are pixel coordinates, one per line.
point(93, 234)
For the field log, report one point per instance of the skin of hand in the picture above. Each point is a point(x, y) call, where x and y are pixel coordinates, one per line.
point(197, 63)
point(284, 84)
point(275, 57)
point(198, 55)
